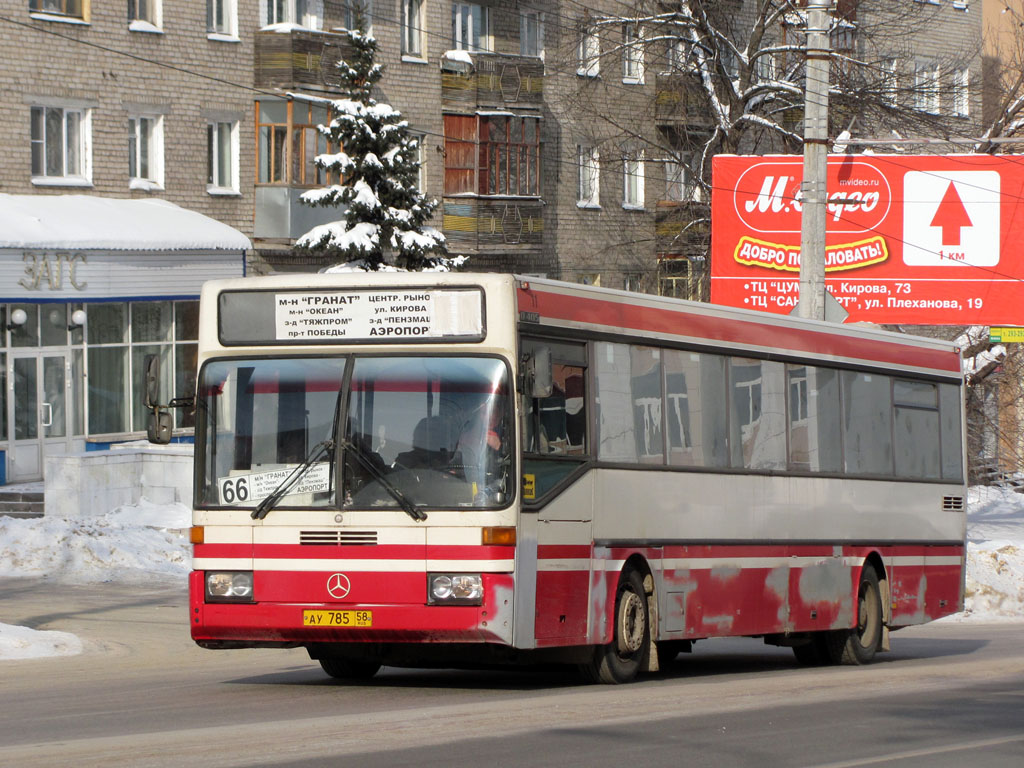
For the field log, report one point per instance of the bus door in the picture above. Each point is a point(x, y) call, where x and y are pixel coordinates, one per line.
point(554, 479)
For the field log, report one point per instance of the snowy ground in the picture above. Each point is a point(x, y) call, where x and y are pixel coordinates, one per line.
point(137, 543)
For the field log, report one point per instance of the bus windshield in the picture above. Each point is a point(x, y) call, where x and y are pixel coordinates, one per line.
point(428, 431)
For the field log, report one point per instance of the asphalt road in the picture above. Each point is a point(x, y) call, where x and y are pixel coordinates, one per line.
point(143, 695)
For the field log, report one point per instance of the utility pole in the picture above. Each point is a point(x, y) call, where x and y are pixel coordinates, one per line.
point(813, 188)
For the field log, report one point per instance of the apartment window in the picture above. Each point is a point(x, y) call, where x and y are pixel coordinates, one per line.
point(588, 189)
point(680, 184)
point(633, 181)
point(71, 8)
point(926, 88)
point(222, 17)
point(222, 157)
point(491, 155)
point(288, 141)
point(60, 144)
point(531, 33)
point(469, 27)
point(589, 53)
point(675, 278)
point(890, 81)
point(676, 54)
point(145, 152)
point(632, 54)
point(144, 12)
point(961, 92)
point(306, 13)
point(412, 27)
point(353, 10)
point(509, 156)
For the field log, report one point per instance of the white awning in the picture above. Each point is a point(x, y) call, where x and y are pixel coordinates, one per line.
point(88, 223)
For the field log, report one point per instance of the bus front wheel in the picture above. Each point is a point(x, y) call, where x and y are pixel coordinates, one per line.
point(349, 669)
point(621, 660)
point(860, 644)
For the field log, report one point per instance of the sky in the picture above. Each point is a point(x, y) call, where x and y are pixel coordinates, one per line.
point(143, 543)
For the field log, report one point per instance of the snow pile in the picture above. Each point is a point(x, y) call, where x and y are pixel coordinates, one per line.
point(133, 544)
point(995, 555)
point(25, 643)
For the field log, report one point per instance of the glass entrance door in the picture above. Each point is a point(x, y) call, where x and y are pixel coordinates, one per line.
point(39, 411)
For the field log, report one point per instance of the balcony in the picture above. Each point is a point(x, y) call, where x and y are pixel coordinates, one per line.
point(484, 224)
point(300, 58)
point(493, 81)
point(679, 100)
point(681, 227)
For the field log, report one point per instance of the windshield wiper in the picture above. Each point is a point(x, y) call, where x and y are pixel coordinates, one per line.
point(324, 448)
point(411, 509)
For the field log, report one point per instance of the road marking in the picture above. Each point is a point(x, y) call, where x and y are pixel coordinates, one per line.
point(921, 752)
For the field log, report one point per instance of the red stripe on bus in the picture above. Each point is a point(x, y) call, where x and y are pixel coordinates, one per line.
point(605, 315)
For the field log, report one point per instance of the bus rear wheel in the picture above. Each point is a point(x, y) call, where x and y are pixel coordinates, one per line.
point(349, 669)
point(621, 660)
point(860, 644)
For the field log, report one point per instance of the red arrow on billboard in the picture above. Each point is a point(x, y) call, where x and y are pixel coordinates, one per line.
point(952, 216)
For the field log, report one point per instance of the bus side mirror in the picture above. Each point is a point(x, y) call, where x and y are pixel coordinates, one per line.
point(161, 420)
point(538, 373)
point(151, 364)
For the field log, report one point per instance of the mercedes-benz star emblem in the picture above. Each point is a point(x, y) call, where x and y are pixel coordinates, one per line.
point(338, 585)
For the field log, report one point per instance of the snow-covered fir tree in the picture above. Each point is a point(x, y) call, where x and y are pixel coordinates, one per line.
point(385, 214)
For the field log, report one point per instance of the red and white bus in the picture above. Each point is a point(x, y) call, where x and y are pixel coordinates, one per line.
point(466, 469)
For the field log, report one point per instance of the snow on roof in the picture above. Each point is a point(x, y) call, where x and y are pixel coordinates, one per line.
point(87, 222)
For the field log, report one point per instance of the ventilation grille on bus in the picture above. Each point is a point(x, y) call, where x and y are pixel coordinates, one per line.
point(331, 538)
point(952, 503)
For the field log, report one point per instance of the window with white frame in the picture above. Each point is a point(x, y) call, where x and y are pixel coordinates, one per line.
point(633, 181)
point(962, 92)
point(588, 52)
point(222, 157)
point(72, 8)
point(412, 27)
point(144, 14)
point(680, 184)
point(305, 13)
point(470, 27)
point(353, 10)
point(890, 81)
point(632, 54)
point(60, 141)
point(676, 54)
point(926, 88)
point(531, 33)
point(146, 151)
point(589, 176)
point(222, 17)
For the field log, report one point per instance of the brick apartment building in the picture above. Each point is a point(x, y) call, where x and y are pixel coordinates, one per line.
point(212, 105)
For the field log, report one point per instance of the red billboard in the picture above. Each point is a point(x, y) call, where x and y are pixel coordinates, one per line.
point(928, 239)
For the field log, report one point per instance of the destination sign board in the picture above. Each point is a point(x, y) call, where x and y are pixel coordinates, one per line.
point(341, 316)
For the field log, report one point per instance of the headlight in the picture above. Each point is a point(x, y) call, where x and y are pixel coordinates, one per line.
point(455, 589)
point(233, 586)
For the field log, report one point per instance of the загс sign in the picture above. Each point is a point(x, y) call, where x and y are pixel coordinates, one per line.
point(934, 240)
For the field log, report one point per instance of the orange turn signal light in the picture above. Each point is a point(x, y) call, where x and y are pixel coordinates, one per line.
point(197, 534)
point(499, 536)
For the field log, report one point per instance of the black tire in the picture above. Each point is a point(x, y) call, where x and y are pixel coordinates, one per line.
point(349, 669)
point(813, 653)
point(622, 659)
point(860, 644)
